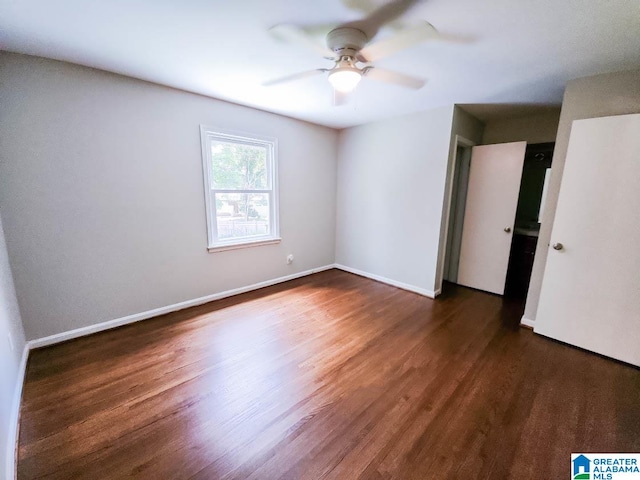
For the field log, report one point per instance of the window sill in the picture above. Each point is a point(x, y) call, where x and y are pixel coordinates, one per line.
point(236, 246)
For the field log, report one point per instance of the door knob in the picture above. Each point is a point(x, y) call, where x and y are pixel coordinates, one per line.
point(558, 246)
point(507, 229)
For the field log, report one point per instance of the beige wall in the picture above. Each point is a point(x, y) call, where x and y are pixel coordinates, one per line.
point(391, 179)
point(589, 97)
point(538, 128)
point(102, 198)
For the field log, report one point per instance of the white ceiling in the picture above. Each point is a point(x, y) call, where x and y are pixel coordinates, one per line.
point(520, 51)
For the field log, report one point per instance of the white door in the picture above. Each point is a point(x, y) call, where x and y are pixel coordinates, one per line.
point(489, 217)
point(591, 288)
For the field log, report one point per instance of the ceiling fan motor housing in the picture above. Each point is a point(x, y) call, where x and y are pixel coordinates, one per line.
point(346, 40)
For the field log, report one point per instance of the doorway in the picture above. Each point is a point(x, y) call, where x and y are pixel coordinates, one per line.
point(527, 184)
point(535, 177)
point(459, 185)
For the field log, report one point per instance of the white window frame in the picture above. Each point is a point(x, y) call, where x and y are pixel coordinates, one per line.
point(209, 134)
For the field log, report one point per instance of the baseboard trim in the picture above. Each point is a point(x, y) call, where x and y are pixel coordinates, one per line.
point(388, 281)
point(118, 322)
point(14, 420)
point(527, 322)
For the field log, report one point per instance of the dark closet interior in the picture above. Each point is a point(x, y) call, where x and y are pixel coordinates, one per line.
point(537, 161)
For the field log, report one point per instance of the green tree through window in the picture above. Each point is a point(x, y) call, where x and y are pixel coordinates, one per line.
point(239, 167)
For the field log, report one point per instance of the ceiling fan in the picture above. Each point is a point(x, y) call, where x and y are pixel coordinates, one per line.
point(349, 47)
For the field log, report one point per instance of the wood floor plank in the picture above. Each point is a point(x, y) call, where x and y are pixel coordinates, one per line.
point(329, 376)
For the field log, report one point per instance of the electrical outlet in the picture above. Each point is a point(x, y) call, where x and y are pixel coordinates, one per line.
point(289, 259)
point(10, 340)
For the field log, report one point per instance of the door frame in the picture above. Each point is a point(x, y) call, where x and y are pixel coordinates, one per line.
point(459, 141)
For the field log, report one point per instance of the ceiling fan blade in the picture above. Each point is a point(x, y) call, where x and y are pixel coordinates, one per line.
point(293, 77)
point(404, 39)
point(395, 78)
point(295, 35)
point(455, 39)
point(387, 13)
point(318, 30)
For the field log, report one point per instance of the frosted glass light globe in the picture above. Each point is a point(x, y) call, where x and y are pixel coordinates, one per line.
point(344, 80)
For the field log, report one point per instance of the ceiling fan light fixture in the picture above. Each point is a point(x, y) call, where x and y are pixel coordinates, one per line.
point(344, 79)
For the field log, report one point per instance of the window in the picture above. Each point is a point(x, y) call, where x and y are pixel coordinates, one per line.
point(240, 180)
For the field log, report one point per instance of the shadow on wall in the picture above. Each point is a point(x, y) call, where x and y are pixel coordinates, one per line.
point(11, 362)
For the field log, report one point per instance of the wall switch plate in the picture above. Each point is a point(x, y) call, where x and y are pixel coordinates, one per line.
point(289, 259)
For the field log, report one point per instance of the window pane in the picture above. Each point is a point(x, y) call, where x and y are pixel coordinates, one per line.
point(242, 215)
point(239, 167)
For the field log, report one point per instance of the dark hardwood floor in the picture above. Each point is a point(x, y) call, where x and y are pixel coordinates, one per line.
point(328, 376)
